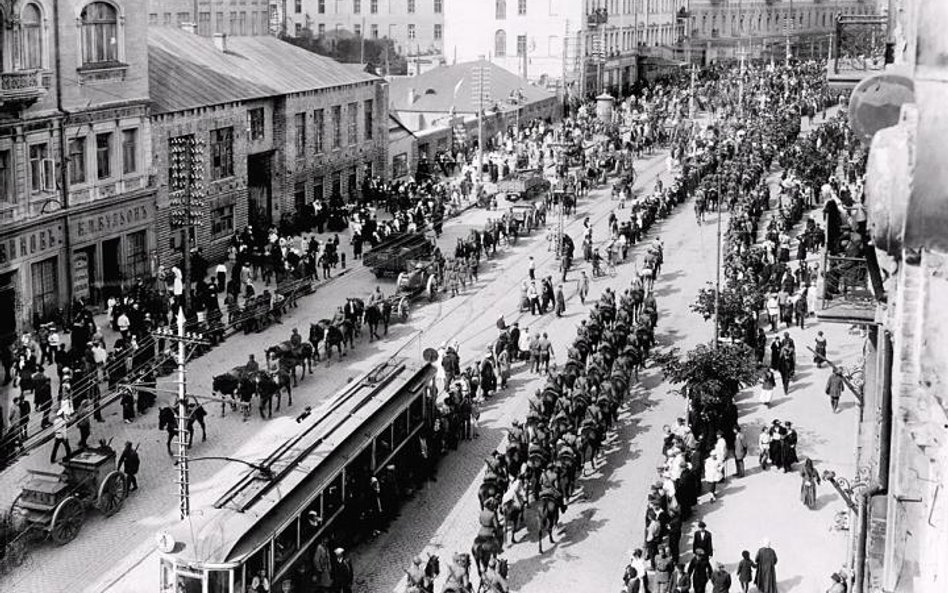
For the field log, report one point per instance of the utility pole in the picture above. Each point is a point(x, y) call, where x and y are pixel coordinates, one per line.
point(481, 88)
point(691, 95)
point(717, 282)
point(182, 339)
point(740, 84)
point(186, 196)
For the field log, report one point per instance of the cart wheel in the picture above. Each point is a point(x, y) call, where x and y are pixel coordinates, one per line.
point(112, 493)
point(403, 309)
point(67, 521)
point(17, 519)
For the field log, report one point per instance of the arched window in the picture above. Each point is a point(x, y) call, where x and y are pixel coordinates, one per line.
point(500, 43)
point(99, 33)
point(32, 39)
point(501, 9)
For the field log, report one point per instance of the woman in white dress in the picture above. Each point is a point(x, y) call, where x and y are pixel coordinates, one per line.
point(767, 385)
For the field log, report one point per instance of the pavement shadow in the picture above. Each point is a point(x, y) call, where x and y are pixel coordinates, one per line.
point(789, 584)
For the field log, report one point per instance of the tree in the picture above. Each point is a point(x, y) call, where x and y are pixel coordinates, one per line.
point(711, 378)
point(737, 302)
point(379, 55)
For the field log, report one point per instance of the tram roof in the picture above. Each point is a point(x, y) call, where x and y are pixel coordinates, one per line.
point(250, 510)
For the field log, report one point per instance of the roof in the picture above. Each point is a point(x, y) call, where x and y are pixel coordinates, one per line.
point(440, 89)
point(396, 122)
point(186, 71)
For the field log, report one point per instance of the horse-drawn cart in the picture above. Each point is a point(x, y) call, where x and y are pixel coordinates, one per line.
point(524, 185)
point(55, 504)
point(391, 257)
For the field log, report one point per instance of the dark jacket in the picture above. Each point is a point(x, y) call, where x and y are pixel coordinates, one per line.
point(703, 540)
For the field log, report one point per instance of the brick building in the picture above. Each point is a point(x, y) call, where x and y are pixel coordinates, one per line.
point(280, 127)
point(234, 17)
point(77, 201)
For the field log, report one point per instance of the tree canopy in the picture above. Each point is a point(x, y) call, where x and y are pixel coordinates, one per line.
point(379, 55)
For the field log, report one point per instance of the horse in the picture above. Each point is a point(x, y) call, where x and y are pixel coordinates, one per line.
point(492, 487)
point(459, 580)
point(373, 318)
point(548, 509)
point(485, 548)
point(334, 338)
point(495, 579)
point(513, 511)
point(590, 444)
point(226, 385)
point(316, 334)
point(269, 386)
point(423, 581)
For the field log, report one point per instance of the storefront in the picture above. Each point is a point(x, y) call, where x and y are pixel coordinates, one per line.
point(32, 284)
point(112, 248)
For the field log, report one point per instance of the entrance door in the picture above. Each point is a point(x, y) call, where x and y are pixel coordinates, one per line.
point(7, 309)
point(111, 268)
point(260, 191)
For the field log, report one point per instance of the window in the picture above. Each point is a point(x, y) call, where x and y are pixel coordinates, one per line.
point(353, 182)
point(45, 287)
point(77, 160)
point(256, 123)
point(297, 6)
point(521, 45)
point(41, 168)
point(374, 6)
point(337, 126)
point(411, 6)
point(6, 178)
point(222, 153)
point(204, 23)
point(233, 23)
point(321, 29)
point(375, 31)
point(368, 118)
point(32, 25)
point(352, 125)
point(438, 6)
point(103, 155)
point(336, 189)
point(99, 33)
point(298, 29)
point(500, 9)
point(438, 31)
point(400, 165)
point(243, 23)
point(411, 31)
point(153, 18)
point(136, 258)
point(300, 135)
point(321, 7)
point(318, 188)
point(219, 22)
point(356, 6)
point(319, 125)
point(299, 196)
point(129, 151)
point(222, 221)
point(357, 29)
point(522, 7)
point(167, 19)
point(500, 43)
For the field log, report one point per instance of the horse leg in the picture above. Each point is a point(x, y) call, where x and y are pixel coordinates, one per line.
point(289, 396)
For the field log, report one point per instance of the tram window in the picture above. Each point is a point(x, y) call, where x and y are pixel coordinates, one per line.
point(383, 446)
point(332, 497)
point(259, 561)
point(286, 545)
point(218, 581)
point(401, 427)
point(311, 519)
point(416, 411)
point(167, 576)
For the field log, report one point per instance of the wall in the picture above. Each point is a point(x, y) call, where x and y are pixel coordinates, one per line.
point(234, 17)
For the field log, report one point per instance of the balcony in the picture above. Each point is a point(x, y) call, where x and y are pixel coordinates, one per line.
point(597, 17)
point(850, 284)
point(859, 50)
point(20, 89)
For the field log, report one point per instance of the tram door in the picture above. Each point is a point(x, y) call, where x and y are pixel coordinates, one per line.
point(179, 579)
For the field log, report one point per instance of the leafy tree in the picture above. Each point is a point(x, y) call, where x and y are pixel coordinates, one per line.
point(711, 378)
point(379, 55)
point(736, 304)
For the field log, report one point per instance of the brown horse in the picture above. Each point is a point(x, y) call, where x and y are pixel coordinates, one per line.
point(548, 509)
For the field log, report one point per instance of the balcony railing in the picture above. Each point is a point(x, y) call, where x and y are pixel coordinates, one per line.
point(599, 16)
point(846, 292)
point(859, 48)
point(21, 87)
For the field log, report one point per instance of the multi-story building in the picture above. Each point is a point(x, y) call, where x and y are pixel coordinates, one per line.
point(416, 26)
point(234, 17)
point(717, 29)
point(292, 128)
point(77, 202)
point(592, 45)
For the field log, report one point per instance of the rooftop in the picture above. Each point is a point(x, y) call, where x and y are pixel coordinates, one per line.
point(440, 89)
point(186, 71)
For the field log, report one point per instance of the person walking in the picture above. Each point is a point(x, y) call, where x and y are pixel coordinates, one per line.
point(131, 463)
point(809, 479)
point(720, 580)
point(322, 568)
point(85, 423)
point(713, 473)
point(766, 561)
point(745, 571)
point(702, 540)
point(583, 286)
point(546, 352)
point(740, 451)
point(763, 447)
point(61, 437)
point(560, 301)
point(834, 388)
point(342, 575)
point(533, 269)
point(699, 569)
point(680, 579)
point(819, 349)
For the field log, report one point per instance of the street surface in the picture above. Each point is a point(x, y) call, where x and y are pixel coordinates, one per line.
point(600, 528)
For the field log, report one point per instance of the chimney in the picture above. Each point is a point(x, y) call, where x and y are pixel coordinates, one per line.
point(189, 27)
point(220, 41)
point(412, 96)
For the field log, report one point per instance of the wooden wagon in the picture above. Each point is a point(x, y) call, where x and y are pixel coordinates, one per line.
point(54, 504)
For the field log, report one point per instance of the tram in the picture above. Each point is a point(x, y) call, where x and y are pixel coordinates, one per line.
point(305, 489)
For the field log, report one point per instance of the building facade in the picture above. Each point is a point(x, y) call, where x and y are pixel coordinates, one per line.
point(234, 17)
point(297, 128)
point(416, 26)
point(77, 204)
point(765, 28)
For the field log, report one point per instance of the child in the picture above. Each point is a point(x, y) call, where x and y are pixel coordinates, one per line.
point(744, 570)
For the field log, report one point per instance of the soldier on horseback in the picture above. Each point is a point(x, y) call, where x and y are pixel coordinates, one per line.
point(550, 487)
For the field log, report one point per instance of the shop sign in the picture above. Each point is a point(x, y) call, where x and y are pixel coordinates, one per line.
point(80, 275)
point(96, 226)
point(31, 243)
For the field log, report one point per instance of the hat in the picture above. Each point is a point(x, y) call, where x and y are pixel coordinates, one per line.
point(338, 551)
point(701, 525)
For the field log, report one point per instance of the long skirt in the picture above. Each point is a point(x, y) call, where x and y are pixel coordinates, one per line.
point(766, 395)
point(808, 493)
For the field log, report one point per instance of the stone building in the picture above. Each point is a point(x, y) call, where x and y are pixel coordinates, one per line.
point(234, 17)
point(416, 26)
point(77, 198)
point(280, 128)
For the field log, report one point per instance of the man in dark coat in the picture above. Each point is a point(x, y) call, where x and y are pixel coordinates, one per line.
point(699, 569)
point(702, 540)
point(342, 575)
point(766, 561)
